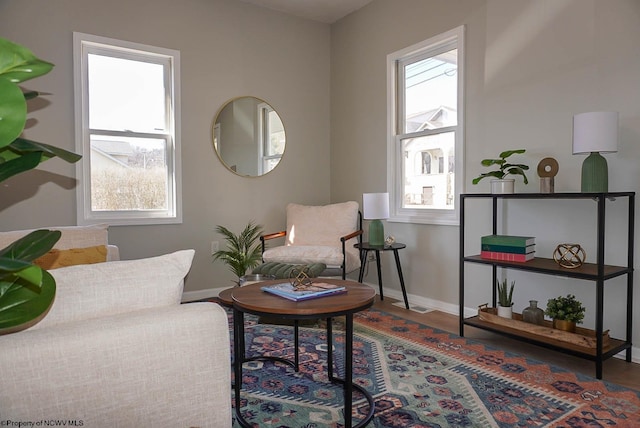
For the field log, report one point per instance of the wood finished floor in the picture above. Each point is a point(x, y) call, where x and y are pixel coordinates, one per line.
point(614, 370)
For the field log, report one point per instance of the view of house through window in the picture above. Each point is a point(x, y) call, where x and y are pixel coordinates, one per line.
point(427, 136)
point(128, 138)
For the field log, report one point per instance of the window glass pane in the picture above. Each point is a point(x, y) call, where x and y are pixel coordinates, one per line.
point(126, 95)
point(430, 87)
point(128, 174)
point(276, 140)
point(428, 179)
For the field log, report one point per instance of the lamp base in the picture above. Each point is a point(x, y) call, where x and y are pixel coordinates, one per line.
point(595, 174)
point(376, 233)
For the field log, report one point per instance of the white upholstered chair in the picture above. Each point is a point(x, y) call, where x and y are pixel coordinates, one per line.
point(319, 234)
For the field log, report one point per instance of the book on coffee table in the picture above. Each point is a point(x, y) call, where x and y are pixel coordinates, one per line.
point(312, 291)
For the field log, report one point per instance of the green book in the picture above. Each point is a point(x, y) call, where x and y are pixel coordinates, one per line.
point(508, 240)
point(509, 248)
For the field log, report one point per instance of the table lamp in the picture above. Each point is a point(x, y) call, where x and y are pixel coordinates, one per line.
point(595, 133)
point(375, 207)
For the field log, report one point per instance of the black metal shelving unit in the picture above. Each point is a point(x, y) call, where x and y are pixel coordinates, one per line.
point(598, 272)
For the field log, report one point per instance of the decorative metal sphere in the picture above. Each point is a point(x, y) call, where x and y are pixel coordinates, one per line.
point(569, 256)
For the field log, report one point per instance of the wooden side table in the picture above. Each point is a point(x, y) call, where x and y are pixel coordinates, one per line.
point(365, 247)
point(251, 299)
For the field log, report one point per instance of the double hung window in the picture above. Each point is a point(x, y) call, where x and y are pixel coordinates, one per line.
point(127, 129)
point(425, 142)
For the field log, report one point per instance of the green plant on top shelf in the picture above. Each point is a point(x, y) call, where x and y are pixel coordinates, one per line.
point(503, 167)
point(505, 293)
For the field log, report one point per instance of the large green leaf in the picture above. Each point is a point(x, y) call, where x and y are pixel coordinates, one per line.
point(18, 165)
point(13, 112)
point(24, 305)
point(23, 145)
point(18, 64)
point(32, 246)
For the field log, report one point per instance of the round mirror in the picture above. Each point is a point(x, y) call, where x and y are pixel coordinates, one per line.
point(248, 136)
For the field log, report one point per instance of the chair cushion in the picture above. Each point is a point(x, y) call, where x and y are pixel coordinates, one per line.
point(307, 254)
point(321, 225)
point(283, 270)
point(102, 289)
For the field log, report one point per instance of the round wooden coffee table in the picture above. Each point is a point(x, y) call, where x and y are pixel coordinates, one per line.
point(251, 299)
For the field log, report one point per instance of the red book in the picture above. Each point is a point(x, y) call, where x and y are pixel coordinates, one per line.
point(508, 257)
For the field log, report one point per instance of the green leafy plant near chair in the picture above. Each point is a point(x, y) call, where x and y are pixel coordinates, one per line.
point(243, 251)
point(504, 168)
point(26, 290)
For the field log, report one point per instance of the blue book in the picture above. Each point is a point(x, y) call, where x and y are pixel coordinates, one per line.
point(508, 249)
point(313, 291)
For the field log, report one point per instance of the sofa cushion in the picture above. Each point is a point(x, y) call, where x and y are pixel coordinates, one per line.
point(75, 256)
point(72, 236)
point(321, 225)
point(101, 289)
point(284, 270)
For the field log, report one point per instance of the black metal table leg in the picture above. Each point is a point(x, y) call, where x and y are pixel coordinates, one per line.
point(379, 274)
point(399, 268)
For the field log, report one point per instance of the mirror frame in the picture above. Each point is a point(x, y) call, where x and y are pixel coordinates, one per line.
point(257, 137)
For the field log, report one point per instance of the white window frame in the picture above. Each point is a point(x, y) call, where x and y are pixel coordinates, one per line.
point(395, 135)
point(83, 44)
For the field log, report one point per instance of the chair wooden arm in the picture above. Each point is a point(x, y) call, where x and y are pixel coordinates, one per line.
point(269, 236)
point(351, 235)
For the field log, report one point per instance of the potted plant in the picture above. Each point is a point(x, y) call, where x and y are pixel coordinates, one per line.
point(501, 184)
point(566, 312)
point(26, 290)
point(505, 299)
point(243, 252)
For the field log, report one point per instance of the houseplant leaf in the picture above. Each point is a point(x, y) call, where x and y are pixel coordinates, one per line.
point(32, 246)
point(18, 64)
point(23, 305)
point(23, 145)
point(13, 112)
point(18, 165)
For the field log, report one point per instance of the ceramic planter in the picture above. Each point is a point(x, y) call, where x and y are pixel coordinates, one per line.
point(505, 185)
point(505, 311)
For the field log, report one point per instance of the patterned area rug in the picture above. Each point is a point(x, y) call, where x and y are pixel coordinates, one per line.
point(420, 377)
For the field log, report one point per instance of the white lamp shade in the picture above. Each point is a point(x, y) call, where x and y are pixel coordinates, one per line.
point(375, 206)
point(595, 132)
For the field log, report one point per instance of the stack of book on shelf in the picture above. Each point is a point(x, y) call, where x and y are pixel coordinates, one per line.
point(508, 248)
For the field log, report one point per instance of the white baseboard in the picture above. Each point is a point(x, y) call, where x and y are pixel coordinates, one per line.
point(438, 305)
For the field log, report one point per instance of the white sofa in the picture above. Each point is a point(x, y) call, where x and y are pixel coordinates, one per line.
point(117, 349)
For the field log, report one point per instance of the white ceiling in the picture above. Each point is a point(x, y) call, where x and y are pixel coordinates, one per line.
point(327, 11)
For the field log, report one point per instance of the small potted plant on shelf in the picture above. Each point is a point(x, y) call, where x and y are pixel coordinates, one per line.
point(566, 312)
point(500, 182)
point(242, 252)
point(505, 299)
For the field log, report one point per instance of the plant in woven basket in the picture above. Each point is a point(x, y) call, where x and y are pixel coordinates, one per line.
point(565, 308)
point(243, 252)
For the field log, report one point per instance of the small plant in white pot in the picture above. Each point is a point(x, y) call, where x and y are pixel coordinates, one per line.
point(505, 299)
point(500, 182)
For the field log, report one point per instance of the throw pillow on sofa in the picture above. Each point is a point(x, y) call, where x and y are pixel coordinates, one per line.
point(102, 289)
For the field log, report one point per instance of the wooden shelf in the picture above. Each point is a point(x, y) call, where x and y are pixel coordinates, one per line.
point(615, 345)
point(587, 271)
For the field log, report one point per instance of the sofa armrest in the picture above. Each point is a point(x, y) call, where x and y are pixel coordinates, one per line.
point(165, 366)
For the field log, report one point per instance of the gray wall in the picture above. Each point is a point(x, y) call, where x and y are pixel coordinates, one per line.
point(530, 66)
point(228, 49)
